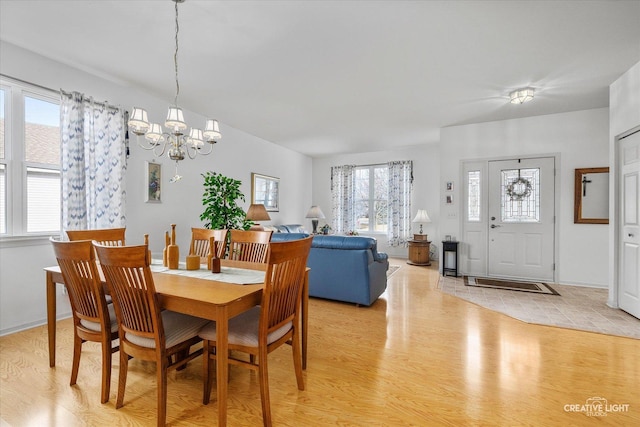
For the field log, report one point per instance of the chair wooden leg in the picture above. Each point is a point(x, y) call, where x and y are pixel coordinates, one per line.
point(264, 388)
point(106, 371)
point(122, 378)
point(297, 360)
point(162, 391)
point(75, 365)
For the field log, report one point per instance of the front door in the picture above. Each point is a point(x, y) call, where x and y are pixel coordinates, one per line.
point(521, 218)
point(629, 238)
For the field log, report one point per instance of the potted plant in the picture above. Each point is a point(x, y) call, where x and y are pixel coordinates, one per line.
point(325, 229)
point(220, 201)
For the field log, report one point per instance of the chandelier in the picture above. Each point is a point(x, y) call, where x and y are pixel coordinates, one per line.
point(174, 140)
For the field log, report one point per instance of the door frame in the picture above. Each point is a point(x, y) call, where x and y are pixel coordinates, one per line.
point(483, 163)
point(615, 206)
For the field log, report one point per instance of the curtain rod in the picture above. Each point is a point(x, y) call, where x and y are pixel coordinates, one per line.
point(103, 104)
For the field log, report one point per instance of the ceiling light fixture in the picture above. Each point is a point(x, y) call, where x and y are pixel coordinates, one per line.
point(174, 138)
point(520, 96)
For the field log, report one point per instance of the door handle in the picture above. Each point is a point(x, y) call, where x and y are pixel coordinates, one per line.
point(495, 226)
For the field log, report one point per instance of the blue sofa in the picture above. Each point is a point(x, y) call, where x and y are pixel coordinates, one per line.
point(344, 268)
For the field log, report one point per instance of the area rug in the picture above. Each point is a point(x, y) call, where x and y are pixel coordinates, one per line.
point(510, 285)
point(392, 269)
point(577, 307)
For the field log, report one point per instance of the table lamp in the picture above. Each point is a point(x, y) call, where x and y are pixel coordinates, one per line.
point(315, 213)
point(421, 218)
point(257, 212)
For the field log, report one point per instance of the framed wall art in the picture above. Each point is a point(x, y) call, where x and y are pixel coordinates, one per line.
point(265, 190)
point(153, 182)
point(449, 186)
point(449, 199)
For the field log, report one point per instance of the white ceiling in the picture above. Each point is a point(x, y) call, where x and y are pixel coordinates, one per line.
point(324, 77)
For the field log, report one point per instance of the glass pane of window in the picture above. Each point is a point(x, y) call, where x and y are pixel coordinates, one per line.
point(381, 214)
point(41, 131)
point(473, 184)
point(520, 195)
point(3, 200)
point(2, 98)
point(362, 184)
point(381, 183)
point(362, 215)
point(43, 200)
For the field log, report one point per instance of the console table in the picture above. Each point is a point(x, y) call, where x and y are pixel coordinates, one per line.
point(419, 252)
point(449, 246)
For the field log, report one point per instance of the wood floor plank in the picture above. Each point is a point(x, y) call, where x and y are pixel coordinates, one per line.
point(416, 357)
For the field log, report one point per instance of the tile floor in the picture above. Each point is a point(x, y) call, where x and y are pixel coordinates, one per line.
point(577, 307)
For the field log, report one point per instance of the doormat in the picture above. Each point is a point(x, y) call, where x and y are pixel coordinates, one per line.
point(392, 269)
point(510, 285)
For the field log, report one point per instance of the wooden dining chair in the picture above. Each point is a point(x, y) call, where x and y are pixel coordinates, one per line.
point(146, 332)
point(266, 327)
point(104, 236)
point(249, 245)
point(93, 319)
point(200, 242)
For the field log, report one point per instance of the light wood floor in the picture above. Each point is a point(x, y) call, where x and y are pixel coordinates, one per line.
point(417, 357)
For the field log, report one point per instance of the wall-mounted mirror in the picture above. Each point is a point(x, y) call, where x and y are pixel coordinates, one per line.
point(591, 204)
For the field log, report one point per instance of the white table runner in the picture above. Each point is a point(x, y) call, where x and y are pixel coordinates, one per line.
point(238, 276)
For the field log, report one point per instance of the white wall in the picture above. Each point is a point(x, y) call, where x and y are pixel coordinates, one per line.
point(581, 140)
point(624, 113)
point(22, 290)
point(426, 170)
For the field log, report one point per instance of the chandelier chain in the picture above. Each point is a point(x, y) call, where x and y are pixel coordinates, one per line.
point(175, 56)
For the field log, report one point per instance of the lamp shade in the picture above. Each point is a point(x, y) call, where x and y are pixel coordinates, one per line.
point(138, 122)
point(315, 212)
point(175, 120)
point(212, 130)
point(257, 212)
point(421, 217)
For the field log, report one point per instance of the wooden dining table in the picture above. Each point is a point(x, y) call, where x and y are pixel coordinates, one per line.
point(209, 299)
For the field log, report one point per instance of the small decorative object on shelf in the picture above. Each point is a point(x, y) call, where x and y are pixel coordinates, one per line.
point(352, 233)
point(325, 229)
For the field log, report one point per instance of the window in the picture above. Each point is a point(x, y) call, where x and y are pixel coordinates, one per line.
point(29, 160)
point(371, 200)
point(520, 195)
point(473, 183)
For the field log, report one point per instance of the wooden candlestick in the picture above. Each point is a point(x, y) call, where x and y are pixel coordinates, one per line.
point(166, 248)
point(146, 242)
point(173, 252)
point(214, 264)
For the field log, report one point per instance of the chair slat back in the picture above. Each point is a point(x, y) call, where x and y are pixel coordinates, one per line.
point(126, 269)
point(249, 245)
point(284, 277)
point(200, 242)
point(82, 279)
point(104, 236)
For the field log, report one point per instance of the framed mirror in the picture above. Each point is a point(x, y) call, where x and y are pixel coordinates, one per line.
point(591, 205)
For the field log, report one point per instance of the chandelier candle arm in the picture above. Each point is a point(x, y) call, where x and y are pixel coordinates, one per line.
point(173, 140)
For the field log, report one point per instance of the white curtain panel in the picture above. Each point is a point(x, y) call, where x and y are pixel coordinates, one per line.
point(343, 194)
point(93, 163)
point(399, 208)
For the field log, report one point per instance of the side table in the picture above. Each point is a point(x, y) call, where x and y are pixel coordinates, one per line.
point(451, 247)
point(419, 252)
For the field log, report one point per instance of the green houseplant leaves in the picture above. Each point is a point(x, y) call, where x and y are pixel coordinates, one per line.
point(220, 201)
